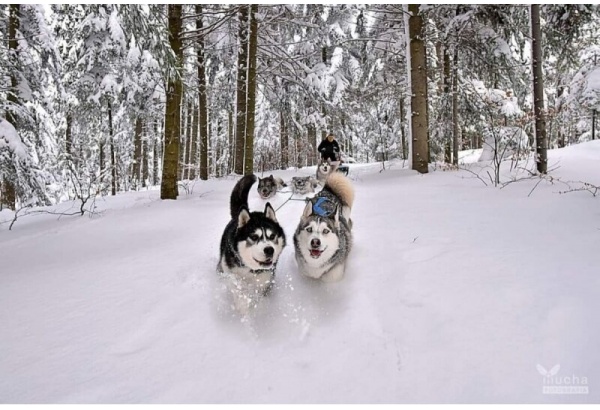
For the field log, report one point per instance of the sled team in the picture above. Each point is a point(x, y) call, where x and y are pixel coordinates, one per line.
point(253, 240)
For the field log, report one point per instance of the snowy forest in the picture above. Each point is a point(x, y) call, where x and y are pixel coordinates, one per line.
point(102, 99)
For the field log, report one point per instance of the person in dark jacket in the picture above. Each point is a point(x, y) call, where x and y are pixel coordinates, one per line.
point(329, 149)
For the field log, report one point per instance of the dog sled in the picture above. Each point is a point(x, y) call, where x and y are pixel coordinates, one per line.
point(340, 167)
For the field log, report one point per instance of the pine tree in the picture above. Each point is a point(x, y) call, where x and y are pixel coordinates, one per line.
point(168, 188)
point(418, 101)
point(541, 143)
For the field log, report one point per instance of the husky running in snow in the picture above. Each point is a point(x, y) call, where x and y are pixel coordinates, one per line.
point(323, 238)
point(250, 247)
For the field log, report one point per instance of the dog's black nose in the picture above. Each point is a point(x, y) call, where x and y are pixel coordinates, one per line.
point(269, 251)
point(315, 243)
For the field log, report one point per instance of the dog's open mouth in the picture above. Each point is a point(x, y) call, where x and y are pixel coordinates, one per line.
point(266, 263)
point(316, 253)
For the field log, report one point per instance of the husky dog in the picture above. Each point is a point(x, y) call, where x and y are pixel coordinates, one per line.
point(250, 247)
point(303, 185)
point(325, 169)
point(268, 187)
point(323, 238)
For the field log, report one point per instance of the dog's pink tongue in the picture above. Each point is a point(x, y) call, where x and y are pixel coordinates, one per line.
point(315, 252)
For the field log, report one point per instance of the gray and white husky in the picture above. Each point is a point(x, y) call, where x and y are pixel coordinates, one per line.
point(323, 238)
point(326, 168)
point(303, 185)
point(250, 247)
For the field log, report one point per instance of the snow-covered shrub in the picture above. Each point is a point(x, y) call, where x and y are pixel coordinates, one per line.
point(504, 142)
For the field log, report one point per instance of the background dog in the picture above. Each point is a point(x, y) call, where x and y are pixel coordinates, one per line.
point(250, 247)
point(323, 238)
point(268, 187)
point(325, 169)
point(303, 185)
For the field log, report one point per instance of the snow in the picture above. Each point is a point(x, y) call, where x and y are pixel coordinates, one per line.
point(454, 292)
point(9, 138)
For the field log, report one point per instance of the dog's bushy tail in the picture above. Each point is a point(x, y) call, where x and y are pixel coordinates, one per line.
point(342, 187)
point(239, 195)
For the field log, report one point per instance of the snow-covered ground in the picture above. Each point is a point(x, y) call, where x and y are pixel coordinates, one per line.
point(455, 292)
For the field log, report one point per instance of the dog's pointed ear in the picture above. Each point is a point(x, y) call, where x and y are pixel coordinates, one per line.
point(336, 217)
point(271, 176)
point(270, 212)
point(243, 217)
point(307, 210)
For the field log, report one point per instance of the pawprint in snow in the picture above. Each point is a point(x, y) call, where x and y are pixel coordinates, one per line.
point(547, 373)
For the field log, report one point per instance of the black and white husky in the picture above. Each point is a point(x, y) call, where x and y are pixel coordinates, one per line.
point(323, 238)
point(250, 247)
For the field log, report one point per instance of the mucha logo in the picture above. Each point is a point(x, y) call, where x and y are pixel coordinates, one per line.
point(561, 384)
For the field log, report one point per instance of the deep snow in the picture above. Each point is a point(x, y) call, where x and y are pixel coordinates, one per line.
point(454, 292)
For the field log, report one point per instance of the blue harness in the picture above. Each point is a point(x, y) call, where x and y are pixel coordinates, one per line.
point(323, 207)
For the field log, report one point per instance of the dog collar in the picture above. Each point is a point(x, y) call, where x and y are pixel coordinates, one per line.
point(260, 271)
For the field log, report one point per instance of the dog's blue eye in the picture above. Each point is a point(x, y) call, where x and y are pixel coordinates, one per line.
point(325, 231)
point(309, 229)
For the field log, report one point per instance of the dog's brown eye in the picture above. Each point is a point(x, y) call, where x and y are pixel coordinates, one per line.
point(272, 236)
point(254, 237)
point(325, 231)
point(309, 229)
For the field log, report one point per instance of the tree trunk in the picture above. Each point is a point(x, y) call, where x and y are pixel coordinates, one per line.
point(251, 101)
point(137, 153)
point(144, 154)
point(593, 124)
point(188, 140)
point(231, 137)
point(155, 154)
point(168, 188)
point(194, 145)
point(69, 137)
point(402, 130)
point(283, 139)
point(418, 101)
point(559, 129)
point(182, 136)
point(113, 165)
point(242, 92)
point(101, 158)
point(312, 144)
point(447, 138)
point(8, 192)
point(202, 104)
point(455, 125)
point(541, 142)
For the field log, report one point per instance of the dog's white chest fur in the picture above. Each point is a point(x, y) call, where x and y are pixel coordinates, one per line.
point(245, 286)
